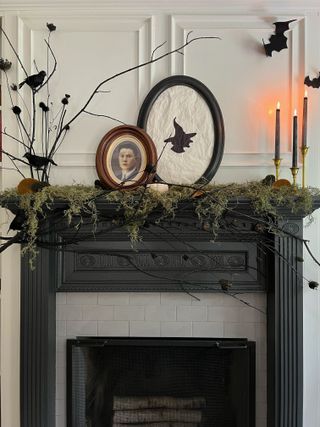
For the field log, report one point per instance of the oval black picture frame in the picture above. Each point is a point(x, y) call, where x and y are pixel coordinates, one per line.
point(216, 114)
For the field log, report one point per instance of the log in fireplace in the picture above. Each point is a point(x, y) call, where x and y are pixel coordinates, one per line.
point(234, 257)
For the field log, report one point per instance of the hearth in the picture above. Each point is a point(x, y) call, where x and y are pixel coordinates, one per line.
point(116, 382)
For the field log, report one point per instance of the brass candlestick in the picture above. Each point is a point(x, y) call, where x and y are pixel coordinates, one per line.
point(304, 152)
point(277, 163)
point(294, 172)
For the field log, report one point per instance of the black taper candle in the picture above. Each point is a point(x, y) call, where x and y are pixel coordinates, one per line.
point(295, 140)
point(277, 134)
point(304, 120)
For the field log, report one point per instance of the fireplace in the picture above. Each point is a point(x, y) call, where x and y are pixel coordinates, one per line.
point(114, 382)
point(235, 257)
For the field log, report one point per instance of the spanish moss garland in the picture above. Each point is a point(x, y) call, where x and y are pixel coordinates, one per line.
point(209, 202)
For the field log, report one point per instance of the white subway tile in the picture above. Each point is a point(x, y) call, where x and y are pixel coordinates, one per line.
point(160, 312)
point(61, 421)
point(81, 328)
point(60, 407)
point(249, 314)
point(144, 329)
point(61, 390)
point(261, 422)
point(97, 312)
point(113, 328)
point(61, 298)
point(215, 299)
point(82, 298)
point(61, 344)
point(220, 314)
point(256, 299)
point(128, 312)
point(189, 312)
point(261, 333)
point(113, 298)
point(69, 312)
point(207, 329)
point(261, 409)
point(61, 359)
point(61, 328)
point(239, 330)
point(231, 301)
point(144, 298)
point(175, 298)
point(61, 375)
point(176, 329)
point(261, 392)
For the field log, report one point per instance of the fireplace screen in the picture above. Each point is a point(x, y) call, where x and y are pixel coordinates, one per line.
point(133, 382)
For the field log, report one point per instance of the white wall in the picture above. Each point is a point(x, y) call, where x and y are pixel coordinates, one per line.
point(97, 40)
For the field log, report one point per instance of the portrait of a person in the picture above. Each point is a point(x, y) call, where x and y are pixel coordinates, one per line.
point(127, 162)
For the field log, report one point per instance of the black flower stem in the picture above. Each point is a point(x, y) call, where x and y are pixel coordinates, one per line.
point(136, 67)
point(53, 70)
point(61, 141)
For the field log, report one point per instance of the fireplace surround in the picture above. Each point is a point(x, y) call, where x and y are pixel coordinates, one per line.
point(274, 274)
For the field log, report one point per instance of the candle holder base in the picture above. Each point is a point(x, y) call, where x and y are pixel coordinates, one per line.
point(294, 172)
point(277, 163)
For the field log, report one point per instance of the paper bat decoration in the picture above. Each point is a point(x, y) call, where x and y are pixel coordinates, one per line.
point(180, 140)
point(312, 83)
point(278, 41)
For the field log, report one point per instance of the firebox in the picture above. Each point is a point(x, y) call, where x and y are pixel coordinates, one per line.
point(165, 382)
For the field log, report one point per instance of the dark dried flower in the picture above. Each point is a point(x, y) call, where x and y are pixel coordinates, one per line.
point(67, 127)
point(16, 110)
point(225, 284)
point(43, 107)
point(64, 101)
point(5, 65)
point(14, 87)
point(313, 284)
point(51, 27)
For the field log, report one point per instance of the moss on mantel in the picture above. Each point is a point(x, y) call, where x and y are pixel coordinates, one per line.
point(209, 203)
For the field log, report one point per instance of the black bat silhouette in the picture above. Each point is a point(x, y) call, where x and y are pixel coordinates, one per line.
point(180, 140)
point(278, 41)
point(312, 83)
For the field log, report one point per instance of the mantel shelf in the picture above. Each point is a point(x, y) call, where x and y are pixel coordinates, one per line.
point(242, 205)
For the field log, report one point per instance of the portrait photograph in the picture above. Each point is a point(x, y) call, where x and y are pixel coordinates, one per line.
point(127, 160)
point(123, 156)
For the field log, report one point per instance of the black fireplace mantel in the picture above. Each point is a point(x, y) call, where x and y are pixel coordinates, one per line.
point(83, 267)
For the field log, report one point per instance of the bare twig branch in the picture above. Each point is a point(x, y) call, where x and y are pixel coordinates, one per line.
point(158, 47)
point(14, 51)
point(4, 132)
point(14, 157)
point(128, 70)
point(103, 115)
point(305, 242)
